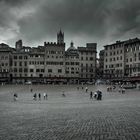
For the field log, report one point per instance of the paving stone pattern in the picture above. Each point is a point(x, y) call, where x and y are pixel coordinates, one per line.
point(74, 117)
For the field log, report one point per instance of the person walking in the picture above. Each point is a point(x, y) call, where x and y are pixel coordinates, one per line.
point(44, 95)
point(34, 97)
point(15, 97)
point(99, 96)
point(39, 96)
point(95, 94)
point(86, 89)
point(91, 95)
point(31, 90)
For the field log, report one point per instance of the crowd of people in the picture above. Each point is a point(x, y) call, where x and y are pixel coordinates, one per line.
point(93, 95)
point(38, 96)
point(97, 95)
point(120, 89)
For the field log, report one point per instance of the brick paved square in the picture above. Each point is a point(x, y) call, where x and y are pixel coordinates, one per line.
point(74, 117)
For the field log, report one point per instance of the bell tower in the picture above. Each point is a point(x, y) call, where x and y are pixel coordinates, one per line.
point(60, 37)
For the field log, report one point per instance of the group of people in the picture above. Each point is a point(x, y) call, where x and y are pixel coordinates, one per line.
point(111, 88)
point(97, 95)
point(86, 88)
point(45, 96)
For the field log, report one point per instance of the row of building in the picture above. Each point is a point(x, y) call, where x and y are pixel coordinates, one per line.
point(121, 60)
point(50, 62)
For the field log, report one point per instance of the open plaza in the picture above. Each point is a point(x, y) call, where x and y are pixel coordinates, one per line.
point(71, 117)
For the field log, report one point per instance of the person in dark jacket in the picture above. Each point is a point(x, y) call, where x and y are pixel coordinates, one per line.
point(91, 95)
point(39, 96)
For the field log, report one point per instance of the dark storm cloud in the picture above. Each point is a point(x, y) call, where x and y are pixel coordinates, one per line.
point(13, 2)
point(74, 17)
point(89, 20)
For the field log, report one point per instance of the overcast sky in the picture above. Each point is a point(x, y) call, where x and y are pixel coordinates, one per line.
point(101, 21)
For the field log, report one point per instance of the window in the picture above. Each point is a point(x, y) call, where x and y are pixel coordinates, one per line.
point(72, 63)
point(31, 70)
point(20, 57)
point(15, 57)
point(67, 72)
point(25, 57)
point(25, 63)
point(15, 69)
point(72, 68)
point(91, 58)
point(49, 70)
point(59, 70)
point(37, 70)
point(20, 69)
point(67, 63)
point(77, 63)
point(42, 70)
point(20, 63)
point(25, 70)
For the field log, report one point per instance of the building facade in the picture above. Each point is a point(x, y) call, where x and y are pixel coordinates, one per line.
point(5, 62)
point(50, 63)
point(122, 59)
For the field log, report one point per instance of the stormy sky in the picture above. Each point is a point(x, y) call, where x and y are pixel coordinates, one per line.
point(101, 21)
